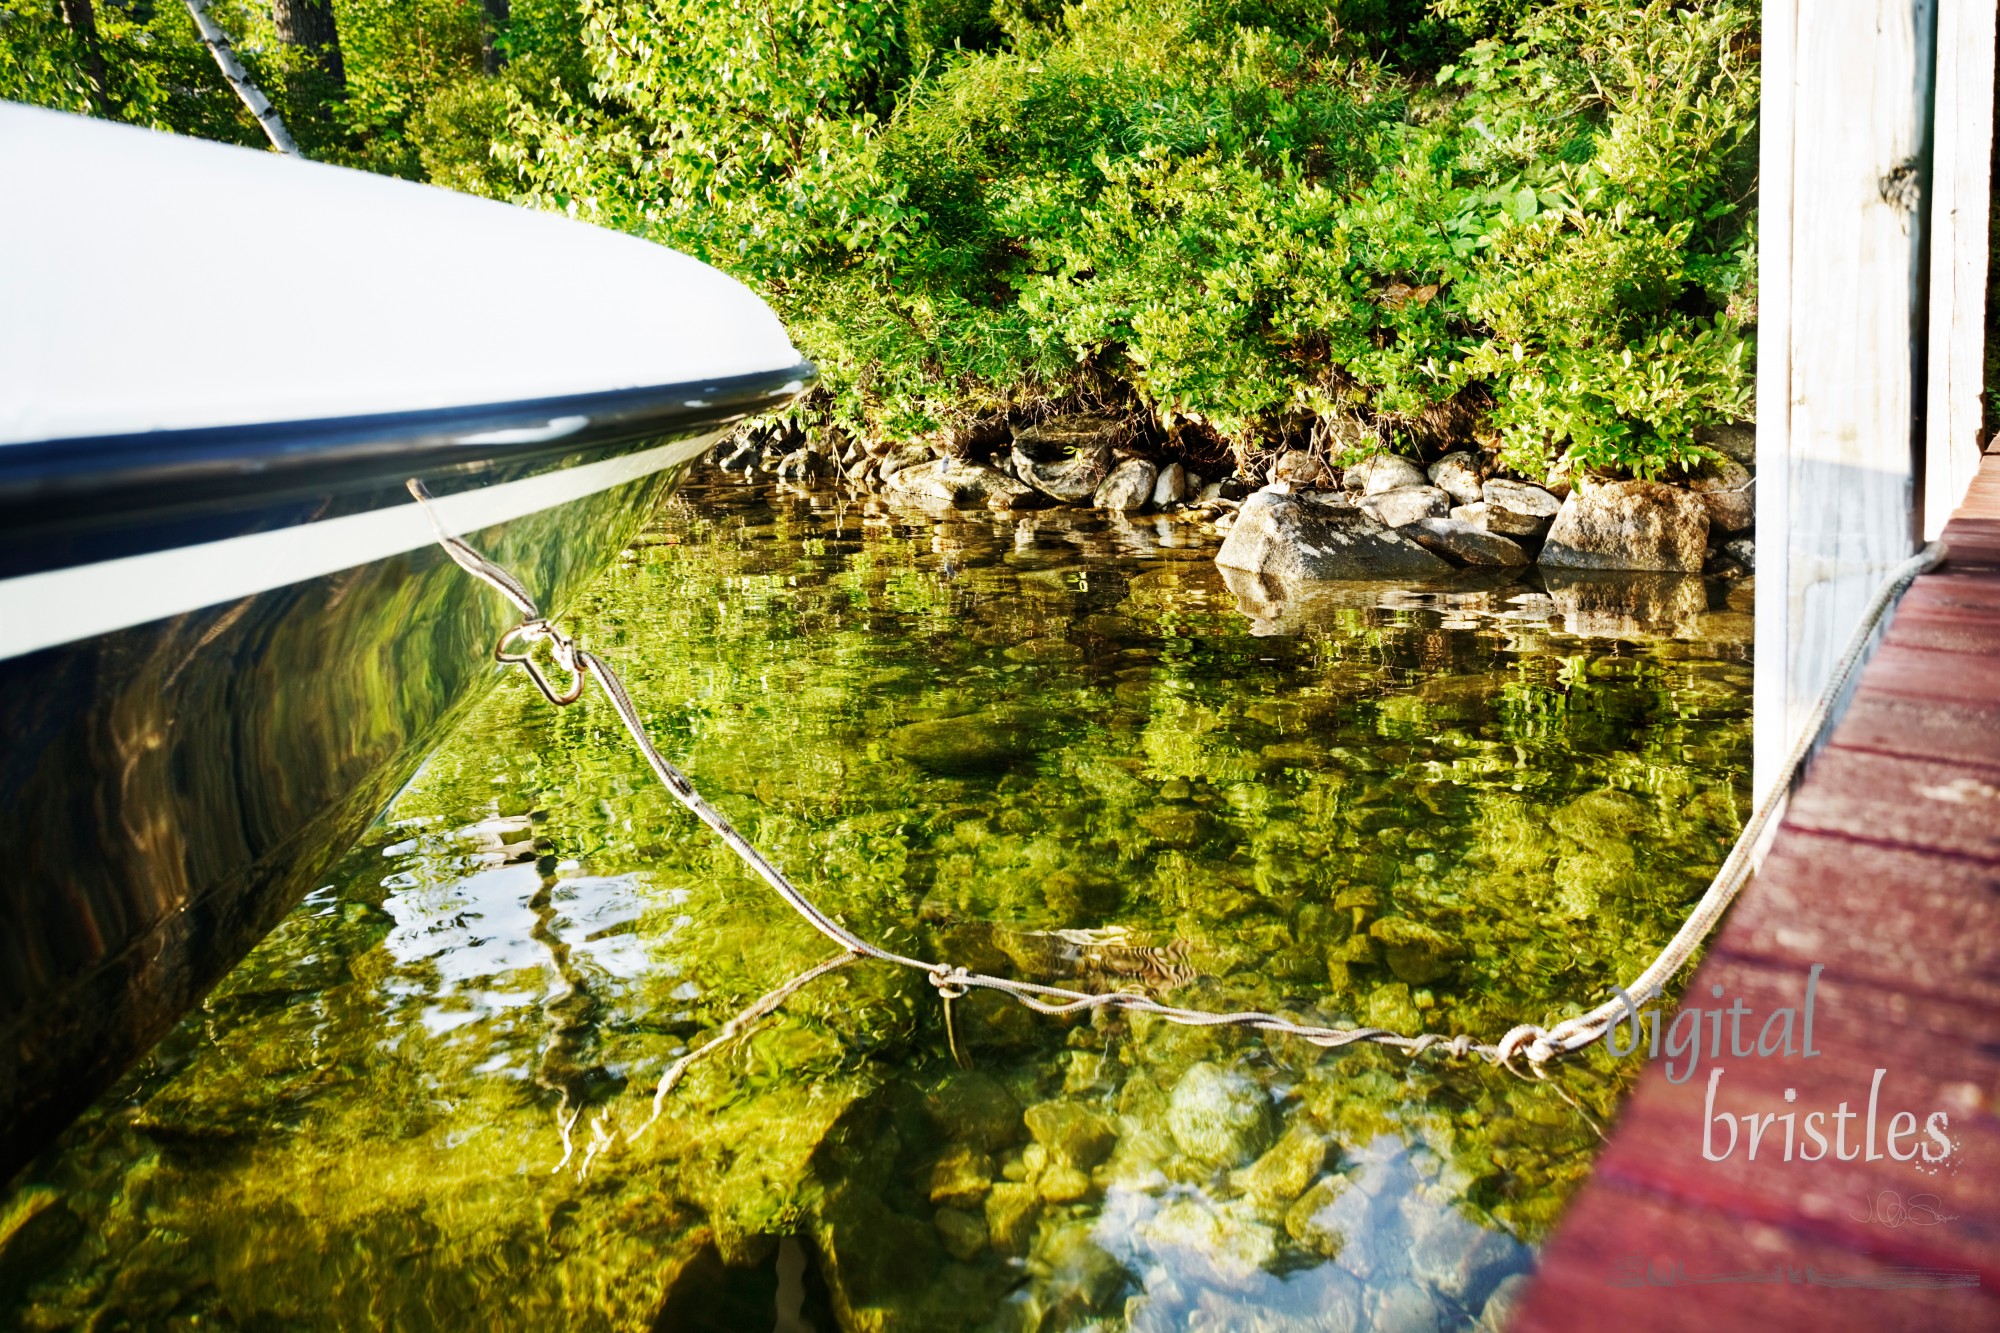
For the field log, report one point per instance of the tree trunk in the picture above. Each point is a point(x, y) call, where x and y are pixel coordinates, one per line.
point(217, 42)
point(81, 19)
point(498, 12)
point(319, 83)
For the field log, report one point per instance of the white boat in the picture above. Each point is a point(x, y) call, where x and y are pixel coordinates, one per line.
point(227, 631)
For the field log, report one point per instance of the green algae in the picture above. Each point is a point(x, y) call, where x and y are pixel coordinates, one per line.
point(424, 1101)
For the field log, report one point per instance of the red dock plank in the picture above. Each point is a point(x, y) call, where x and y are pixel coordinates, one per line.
point(1886, 873)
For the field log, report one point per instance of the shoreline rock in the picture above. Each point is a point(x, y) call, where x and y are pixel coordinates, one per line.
point(1467, 543)
point(1384, 516)
point(1639, 525)
point(1286, 537)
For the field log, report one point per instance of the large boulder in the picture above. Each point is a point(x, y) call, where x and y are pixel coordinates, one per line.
point(1729, 492)
point(1457, 475)
point(1383, 472)
point(1628, 525)
point(1286, 537)
point(1518, 509)
point(1466, 543)
point(1405, 505)
point(1171, 486)
point(1129, 487)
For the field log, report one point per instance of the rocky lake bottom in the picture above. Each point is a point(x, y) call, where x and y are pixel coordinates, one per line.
point(1061, 746)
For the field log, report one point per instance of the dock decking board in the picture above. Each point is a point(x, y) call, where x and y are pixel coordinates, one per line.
point(1886, 870)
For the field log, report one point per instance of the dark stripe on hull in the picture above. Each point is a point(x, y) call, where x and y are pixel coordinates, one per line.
point(81, 501)
point(168, 792)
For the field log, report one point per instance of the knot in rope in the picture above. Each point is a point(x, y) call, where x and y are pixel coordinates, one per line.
point(561, 647)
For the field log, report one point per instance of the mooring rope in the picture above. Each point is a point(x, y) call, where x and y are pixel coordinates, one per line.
point(1529, 1041)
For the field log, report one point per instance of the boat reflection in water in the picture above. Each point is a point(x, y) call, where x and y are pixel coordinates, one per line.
point(227, 634)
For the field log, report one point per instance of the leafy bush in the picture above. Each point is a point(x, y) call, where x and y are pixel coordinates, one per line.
point(1269, 222)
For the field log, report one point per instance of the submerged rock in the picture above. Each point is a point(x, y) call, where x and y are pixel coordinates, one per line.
point(960, 1178)
point(1465, 542)
point(1289, 538)
point(1405, 505)
point(1076, 1274)
point(1629, 525)
point(1402, 1308)
point(981, 742)
point(1383, 472)
point(1011, 1212)
point(1503, 1304)
point(1283, 1173)
point(963, 1233)
point(1071, 1133)
point(976, 1109)
point(1601, 819)
point(1517, 509)
point(1457, 475)
point(1464, 1262)
point(36, 1229)
point(871, 1255)
point(1328, 1216)
point(1129, 487)
point(1224, 1238)
point(1218, 1116)
point(1415, 953)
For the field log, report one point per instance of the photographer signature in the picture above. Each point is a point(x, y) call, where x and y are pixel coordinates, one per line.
point(1890, 1209)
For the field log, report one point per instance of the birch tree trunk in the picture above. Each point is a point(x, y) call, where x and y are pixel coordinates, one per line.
point(217, 42)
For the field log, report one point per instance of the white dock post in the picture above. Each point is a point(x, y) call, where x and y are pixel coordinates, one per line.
point(1845, 122)
point(1962, 158)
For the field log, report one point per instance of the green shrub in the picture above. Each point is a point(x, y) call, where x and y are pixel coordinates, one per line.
point(1336, 226)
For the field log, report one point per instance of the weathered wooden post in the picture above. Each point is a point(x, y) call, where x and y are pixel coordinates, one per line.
point(1864, 248)
point(1962, 160)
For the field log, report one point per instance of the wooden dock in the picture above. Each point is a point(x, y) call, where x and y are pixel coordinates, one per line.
point(1886, 871)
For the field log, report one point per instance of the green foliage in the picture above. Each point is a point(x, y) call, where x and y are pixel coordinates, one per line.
point(1332, 225)
point(156, 71)
point(416, 101)
point(1274, 221)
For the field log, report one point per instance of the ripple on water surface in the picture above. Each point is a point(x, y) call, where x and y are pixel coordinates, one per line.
point(1056, 746)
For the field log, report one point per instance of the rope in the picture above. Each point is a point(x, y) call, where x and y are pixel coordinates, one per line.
point(1529, 1041)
